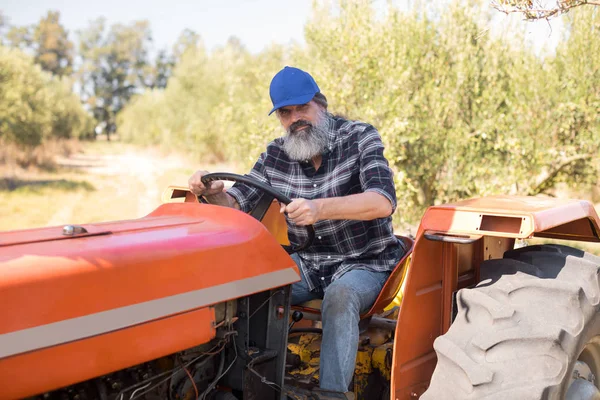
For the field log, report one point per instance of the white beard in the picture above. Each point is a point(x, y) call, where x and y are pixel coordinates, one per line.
point(307, 143)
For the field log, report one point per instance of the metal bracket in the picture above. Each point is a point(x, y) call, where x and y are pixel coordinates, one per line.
point(70, 230)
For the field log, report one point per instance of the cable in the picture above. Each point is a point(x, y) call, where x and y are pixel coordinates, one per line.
point(265, 380)
point(267, 355)
point(169, 377)
point(189, 363)
point(210, 353)
point(214, 382)
point(191, 380)
point(306, 330)
point(151, 388)
point(138, 389)
point(265, 302)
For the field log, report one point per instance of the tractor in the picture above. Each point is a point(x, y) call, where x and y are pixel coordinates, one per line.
point(193, 302)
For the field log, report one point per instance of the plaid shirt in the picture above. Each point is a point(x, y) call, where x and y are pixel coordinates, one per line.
point(353, 163)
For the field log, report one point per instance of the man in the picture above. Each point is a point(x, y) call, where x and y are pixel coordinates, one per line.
point(335, 173)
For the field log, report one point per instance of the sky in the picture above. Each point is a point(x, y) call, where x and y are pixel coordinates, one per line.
point(257, 23)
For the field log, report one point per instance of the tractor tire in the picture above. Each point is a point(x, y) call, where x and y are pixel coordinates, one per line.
point(526, 331)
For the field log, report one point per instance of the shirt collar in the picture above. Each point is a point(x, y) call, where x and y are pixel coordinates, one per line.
point(331, 133)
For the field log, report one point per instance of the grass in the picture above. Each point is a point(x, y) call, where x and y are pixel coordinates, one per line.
point(102, 181)
point(14, 157)
point(21, 186)
point(29, 203)
point(27, 211)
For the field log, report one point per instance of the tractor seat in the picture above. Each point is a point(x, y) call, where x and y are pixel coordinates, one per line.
point(388, 292)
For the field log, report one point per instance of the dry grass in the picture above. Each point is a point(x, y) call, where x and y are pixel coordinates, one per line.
point(14, 158)
point(100, 182)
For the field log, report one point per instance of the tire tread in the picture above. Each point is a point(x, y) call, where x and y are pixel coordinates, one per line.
point(500, 315)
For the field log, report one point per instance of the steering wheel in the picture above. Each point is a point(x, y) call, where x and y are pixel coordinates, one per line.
point(264, 202)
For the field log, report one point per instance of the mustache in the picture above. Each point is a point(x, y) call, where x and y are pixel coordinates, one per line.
point(299, 124)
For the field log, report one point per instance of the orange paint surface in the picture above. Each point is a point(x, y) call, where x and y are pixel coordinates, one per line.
point(55, 367)
point(176, 249)
point(433, 273)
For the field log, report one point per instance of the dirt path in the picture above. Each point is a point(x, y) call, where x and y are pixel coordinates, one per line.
point(104, 182)
point(134, 174)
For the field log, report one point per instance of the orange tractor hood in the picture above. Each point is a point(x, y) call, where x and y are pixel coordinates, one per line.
point(60, 290)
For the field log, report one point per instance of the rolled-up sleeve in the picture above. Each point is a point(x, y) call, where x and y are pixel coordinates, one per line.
point(245, 195)
point(375, 172)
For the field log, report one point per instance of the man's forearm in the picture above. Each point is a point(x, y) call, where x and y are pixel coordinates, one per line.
point(223, 199)
point(362, 206)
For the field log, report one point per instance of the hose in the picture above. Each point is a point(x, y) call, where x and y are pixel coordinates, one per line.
point(307, 330)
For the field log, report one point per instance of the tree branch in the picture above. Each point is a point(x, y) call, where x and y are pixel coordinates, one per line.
point(545, 180)
point(541, 13)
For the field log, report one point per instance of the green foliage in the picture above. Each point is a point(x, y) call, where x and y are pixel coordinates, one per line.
point(115, 66)
point(37, 186)
point(575, 120)
point(462, 113)
point(187, 40)
point(214, 105)
point(20, 37)
point(47, 42)
point(156, 75)
point(34, 105)
point(54, 51)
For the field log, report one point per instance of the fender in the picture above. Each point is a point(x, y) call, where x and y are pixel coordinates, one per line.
point(451, 242)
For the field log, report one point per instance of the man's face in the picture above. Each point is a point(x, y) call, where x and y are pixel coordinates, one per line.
point(306, 130)
point(295, 118)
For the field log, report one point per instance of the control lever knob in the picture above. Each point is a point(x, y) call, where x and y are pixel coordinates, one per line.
point(296, 316)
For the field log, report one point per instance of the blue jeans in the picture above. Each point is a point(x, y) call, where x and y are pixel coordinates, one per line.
point(343, 302)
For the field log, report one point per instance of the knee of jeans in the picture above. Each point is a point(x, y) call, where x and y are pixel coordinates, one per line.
point(340, 298)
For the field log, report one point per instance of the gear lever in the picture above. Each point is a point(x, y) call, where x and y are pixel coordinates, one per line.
point(296, 316)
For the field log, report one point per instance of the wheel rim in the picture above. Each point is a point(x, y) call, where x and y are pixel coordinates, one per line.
point(584, 383)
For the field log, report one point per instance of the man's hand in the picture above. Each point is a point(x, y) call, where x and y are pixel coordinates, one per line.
point(199, 189)
point(302, 211)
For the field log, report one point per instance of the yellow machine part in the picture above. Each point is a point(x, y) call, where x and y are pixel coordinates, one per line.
point(382, 359)
point(373, 356)
point(398, 299)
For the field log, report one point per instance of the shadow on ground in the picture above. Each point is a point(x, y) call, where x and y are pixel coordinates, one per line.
point(13, 184)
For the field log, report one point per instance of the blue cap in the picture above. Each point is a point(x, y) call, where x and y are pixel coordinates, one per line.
point(292, 87)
